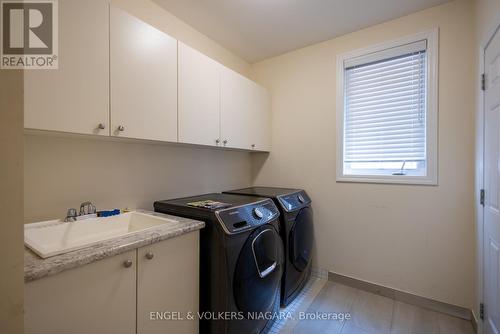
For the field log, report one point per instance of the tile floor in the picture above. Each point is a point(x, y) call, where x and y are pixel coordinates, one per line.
point(370, 314)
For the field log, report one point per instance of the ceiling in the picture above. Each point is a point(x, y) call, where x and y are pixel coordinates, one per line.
point(260, 29)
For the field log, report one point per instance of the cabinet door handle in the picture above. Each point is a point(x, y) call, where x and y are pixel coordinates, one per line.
point(217, 141)
point(224, 142)
point(149, 255)
point(253, 145)
point(127, 263)
point(101, 126)
point(121, 128)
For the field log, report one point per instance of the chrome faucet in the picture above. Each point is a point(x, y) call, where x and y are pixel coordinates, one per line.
point(70, 215)
point(86, 208)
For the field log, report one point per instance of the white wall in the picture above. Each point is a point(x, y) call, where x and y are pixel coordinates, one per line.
point(418, 239)
point(487, 14)
point(62, 172)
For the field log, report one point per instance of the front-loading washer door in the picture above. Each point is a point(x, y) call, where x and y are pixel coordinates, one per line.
point(257, 274)
point(301, 239)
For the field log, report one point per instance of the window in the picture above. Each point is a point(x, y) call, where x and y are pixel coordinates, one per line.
point(387, 112)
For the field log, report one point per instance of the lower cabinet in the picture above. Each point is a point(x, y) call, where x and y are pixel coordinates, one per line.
point(127, 293)
point(94, 298)
point(167, 286)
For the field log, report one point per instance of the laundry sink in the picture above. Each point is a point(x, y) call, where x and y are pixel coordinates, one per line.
point(56, 237)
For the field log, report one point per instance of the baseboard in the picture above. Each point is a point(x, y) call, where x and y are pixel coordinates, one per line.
point(319, 272)
point(474, 322)
point(431, 304)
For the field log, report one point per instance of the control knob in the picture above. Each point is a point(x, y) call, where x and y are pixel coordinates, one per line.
point(257, 213)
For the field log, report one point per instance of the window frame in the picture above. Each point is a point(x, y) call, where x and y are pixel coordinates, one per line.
point(431, 178)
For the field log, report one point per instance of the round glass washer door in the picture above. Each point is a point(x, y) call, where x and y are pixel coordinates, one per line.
point(257, 276)
point(301, 239)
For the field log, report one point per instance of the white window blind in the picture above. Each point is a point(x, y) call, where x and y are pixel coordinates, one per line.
point(385, 111)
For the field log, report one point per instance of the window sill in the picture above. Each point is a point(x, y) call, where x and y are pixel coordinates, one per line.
point(408, 180)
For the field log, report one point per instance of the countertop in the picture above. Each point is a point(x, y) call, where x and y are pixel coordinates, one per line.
point(35, 267)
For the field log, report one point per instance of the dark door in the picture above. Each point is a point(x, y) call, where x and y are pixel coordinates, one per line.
point(301, 239)
point(258, 271)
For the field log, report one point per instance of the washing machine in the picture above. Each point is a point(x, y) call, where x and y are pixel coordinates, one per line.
point(297, 232)
point(241, 260)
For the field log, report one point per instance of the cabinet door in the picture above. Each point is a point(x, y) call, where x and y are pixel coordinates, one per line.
point(96, 298)
point(167, 283)
point(236, 106)
point(73, 98)
point(261, 119)
point(199, 97)
point(245, 113)
point(143, 63)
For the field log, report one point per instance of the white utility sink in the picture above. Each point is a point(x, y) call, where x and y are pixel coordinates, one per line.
point(57, 237)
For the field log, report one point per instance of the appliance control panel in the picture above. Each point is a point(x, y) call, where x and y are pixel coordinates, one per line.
point(295, 201)
point(239, 219)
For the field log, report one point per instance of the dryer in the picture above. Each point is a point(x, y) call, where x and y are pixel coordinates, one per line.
point(297, 232)
point(241, 260)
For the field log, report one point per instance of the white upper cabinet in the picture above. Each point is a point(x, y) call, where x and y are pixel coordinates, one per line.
point(260, 121)
point(199, 97)
point(119, 76)
point(73, 98)
point(244, 113)
point(235, 110)
point(143, 67)
point(218, 106)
